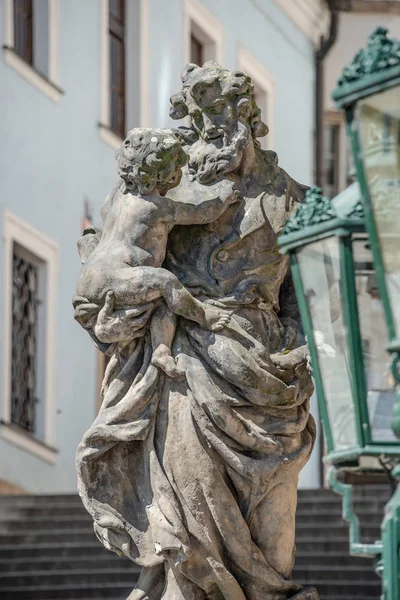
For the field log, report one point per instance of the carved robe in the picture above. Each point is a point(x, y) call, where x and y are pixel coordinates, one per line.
point(201, 474)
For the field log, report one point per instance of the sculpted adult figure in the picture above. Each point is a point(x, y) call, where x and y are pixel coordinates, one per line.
point(195, 479)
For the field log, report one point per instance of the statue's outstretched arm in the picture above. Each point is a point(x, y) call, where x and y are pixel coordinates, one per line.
point(207, 210)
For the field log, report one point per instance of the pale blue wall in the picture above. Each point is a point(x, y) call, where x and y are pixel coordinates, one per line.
point(51, 159)
point(272, 39)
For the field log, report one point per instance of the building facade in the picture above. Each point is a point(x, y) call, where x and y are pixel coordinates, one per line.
point(355, 25)
point(74, 76)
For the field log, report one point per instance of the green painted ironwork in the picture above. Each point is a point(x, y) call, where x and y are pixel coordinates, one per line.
point(390, 531)
point(350, 309)
point(357, 548)
point(371, 70)
point(316, 219)
point(371, 228)
point(374, 69)
point(316, 210)
point(308, 328)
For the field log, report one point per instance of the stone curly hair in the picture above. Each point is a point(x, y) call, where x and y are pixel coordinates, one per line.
point(235, 85)
point(148, 158)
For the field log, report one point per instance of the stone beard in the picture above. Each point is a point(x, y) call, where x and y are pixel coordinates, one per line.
point(212, 160)
point(195, 479)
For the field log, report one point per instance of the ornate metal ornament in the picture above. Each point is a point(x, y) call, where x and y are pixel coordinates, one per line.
point(382, 52)
point(372, 68)
point(316, 210)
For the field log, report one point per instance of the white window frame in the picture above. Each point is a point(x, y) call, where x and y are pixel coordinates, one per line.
point(48, 86)
point(15, 230)
point(206, 28)
point(264, 81)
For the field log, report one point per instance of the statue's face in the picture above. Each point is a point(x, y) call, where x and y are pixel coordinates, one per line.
point(213, 115)
point(223, 135)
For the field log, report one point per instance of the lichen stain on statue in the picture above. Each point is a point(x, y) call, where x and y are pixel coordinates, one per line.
point(191, 466)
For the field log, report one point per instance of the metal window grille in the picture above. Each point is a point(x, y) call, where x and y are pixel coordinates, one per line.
point(117, 65)
point(24, 343)
point(23, 29)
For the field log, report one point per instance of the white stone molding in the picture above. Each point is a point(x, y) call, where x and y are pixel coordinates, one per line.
point(312, 17)
point(45, 250)
point(207, 29)
point(263, 82)
point(104, 67)
point(144, 66)
point(48, 86)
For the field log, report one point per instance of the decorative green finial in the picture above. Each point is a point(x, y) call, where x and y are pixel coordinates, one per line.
point(315, 210)
point(381, 53)
point(357, 212)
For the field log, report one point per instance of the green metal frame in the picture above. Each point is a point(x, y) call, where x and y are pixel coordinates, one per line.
point(308, 328)
point(299, 236)
point(370, 224)
point(373, 70)
point(356, 358)
point(357, 548)
point(390, 556)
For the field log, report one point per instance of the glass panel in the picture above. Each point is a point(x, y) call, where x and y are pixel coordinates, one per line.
point(379, 118)
point(23, 29)
point(320, 273)
point(380, 393)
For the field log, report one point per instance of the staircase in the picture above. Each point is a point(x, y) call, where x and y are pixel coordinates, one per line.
point(322, 541)
point(48, 550)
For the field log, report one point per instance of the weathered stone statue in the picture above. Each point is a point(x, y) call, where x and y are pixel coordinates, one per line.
point(191, 467)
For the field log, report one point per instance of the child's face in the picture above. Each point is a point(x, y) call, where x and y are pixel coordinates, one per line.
point(169, 178)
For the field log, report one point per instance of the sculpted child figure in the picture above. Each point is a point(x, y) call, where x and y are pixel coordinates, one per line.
point(125, 266)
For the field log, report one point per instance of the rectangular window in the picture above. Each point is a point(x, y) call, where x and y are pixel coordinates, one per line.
point(25, 302)
point(31, 43)
point(264, 91)
point(117, 65)
point(331, 159)
point(30, 299)
point(23, 29)
point(196, 51)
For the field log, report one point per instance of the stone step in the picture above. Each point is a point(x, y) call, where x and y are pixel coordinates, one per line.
point(53, 549)
point(44, 523)
point(60, 536)
point(39, 500)
point(114, 591)
point(341, 586)
point(86, 563)
point(332, 557)
point(51, 511)
point(324, 529)
point(311, 544)
point(371, 516)
point(73, 576)
point(327, 571)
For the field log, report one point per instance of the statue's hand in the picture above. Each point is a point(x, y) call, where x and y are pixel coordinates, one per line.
point(323, 348)
point(228, 194)
point(122, 324)
point(290, 360)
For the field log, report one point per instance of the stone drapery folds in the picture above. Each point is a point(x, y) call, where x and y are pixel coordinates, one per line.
point(194, 476)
